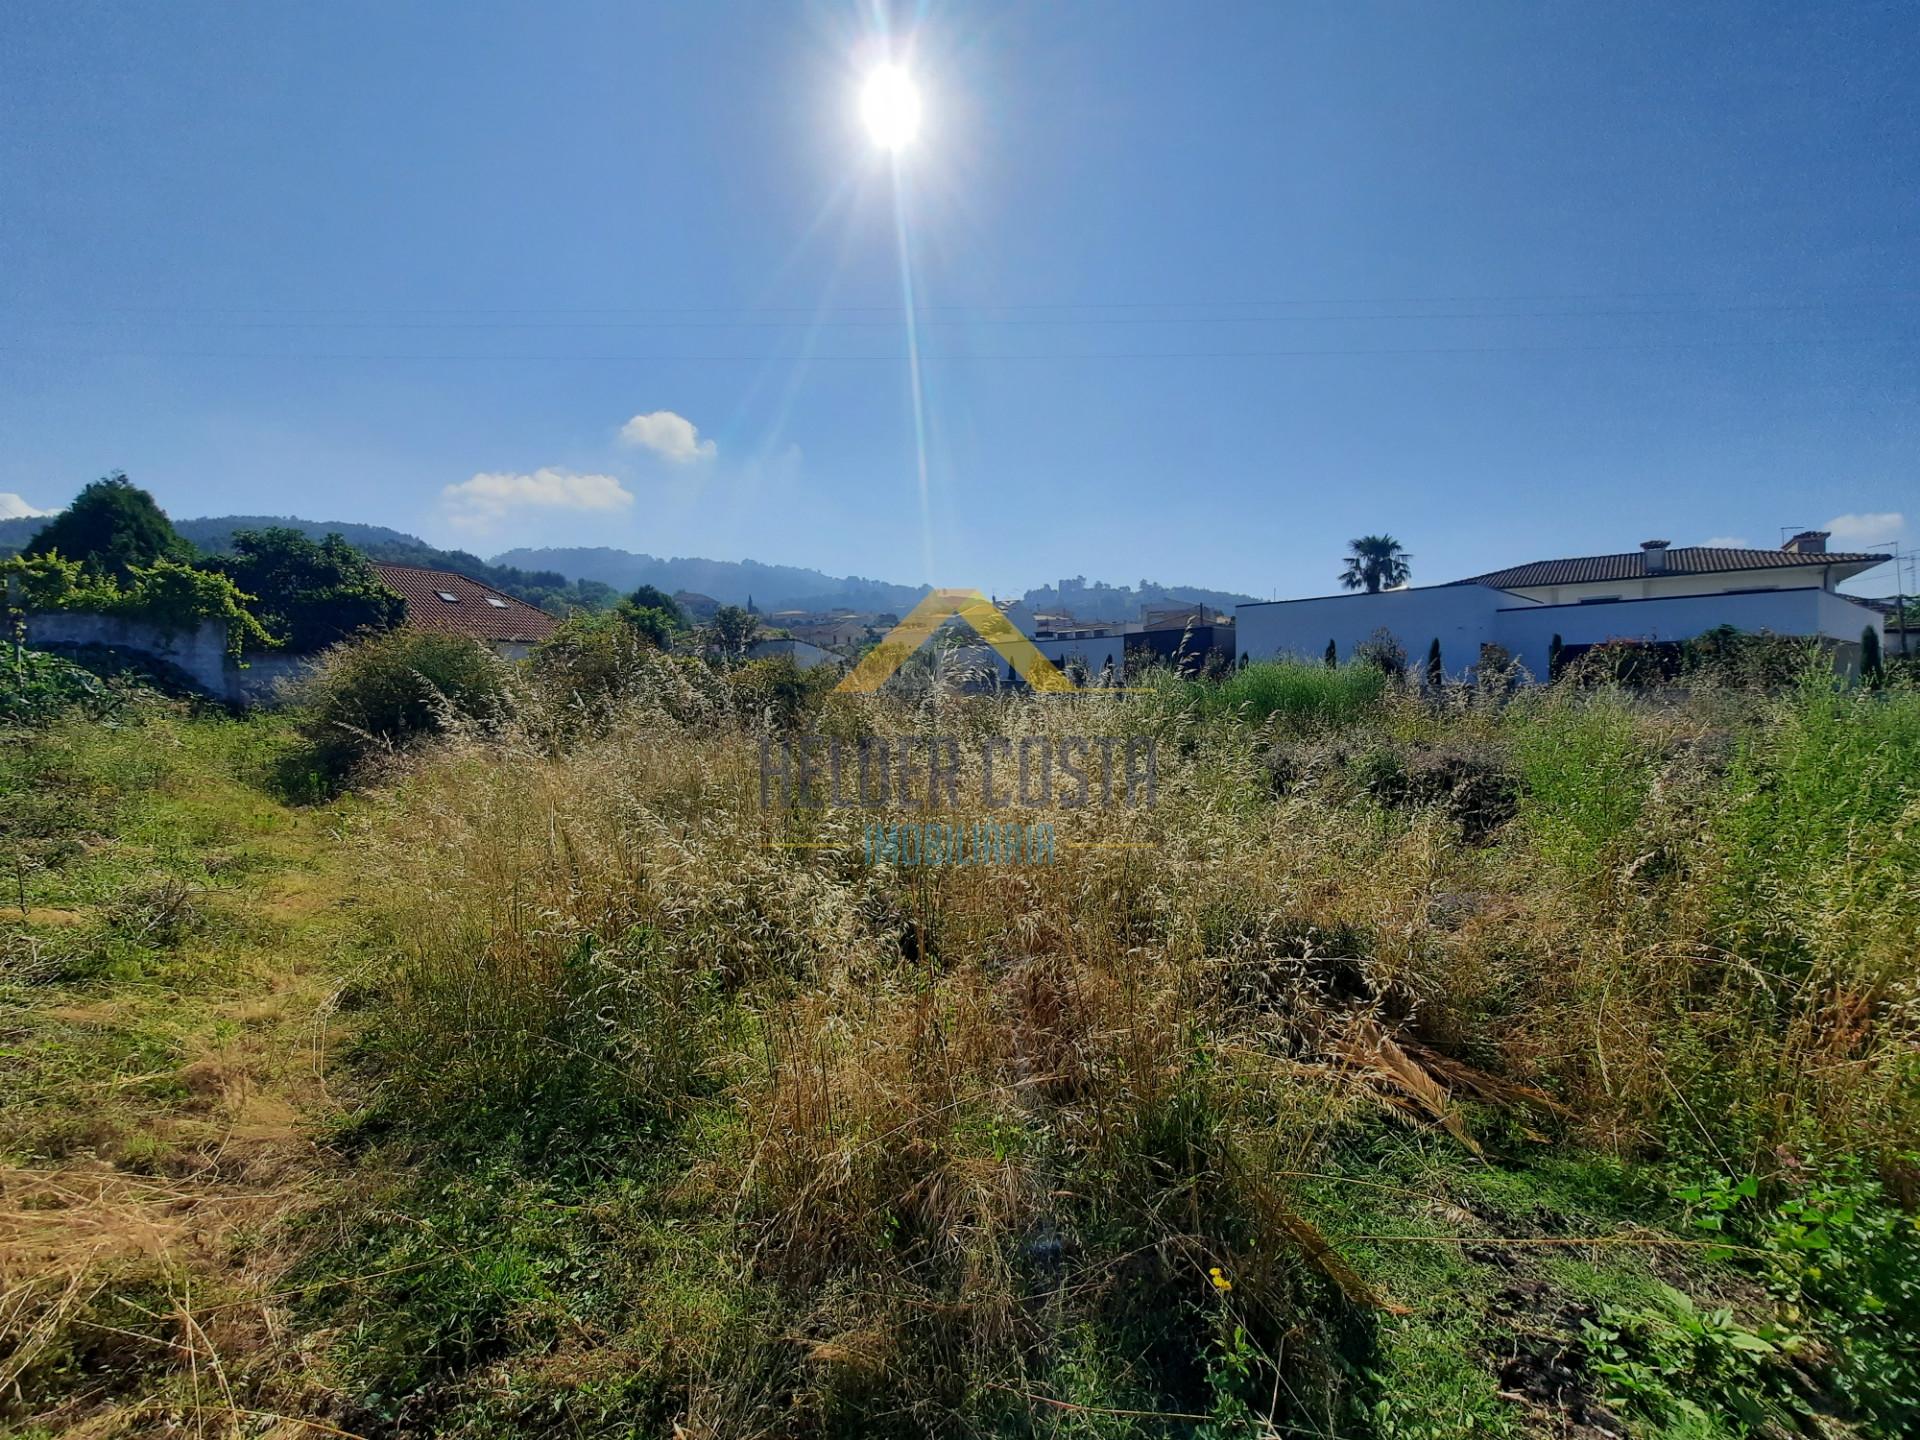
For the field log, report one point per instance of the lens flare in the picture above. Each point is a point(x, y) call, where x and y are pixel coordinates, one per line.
point(890, 104)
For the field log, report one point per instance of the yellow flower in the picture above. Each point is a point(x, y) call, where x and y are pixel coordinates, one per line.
point(1220, 1281)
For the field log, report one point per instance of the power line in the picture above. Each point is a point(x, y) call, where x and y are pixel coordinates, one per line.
point(899, 357)
point(897, 320)
point(1711, 299)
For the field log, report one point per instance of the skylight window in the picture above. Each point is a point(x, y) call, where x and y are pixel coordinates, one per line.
point(496, 602)
point(448, 596)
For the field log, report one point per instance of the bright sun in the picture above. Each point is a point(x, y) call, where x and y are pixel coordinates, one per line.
point(890, 104)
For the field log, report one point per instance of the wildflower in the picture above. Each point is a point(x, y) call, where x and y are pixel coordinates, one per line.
point(1220, 1281)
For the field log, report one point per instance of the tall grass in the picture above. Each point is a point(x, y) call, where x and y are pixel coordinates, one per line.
point(958, 1138)
point(1299, 694)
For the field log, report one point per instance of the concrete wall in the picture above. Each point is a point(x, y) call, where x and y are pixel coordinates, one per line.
point(1094, 651)
point(1461, 617)
point(199, 653)
point(1527, 631)
point(1464, 617)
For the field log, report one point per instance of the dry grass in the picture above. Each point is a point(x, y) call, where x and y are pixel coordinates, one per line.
point(942, 1119)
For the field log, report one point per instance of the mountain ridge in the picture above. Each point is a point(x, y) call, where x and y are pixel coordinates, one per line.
point(560, 577)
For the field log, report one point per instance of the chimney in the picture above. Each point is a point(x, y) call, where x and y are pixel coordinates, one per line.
point(1808, 542)
point(1656, 553)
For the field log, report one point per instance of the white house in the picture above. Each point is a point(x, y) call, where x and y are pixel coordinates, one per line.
point(1656, 593)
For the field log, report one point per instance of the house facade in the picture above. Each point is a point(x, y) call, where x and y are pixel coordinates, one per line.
point(1658, 594)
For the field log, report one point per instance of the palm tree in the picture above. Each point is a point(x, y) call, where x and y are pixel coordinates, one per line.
point(1375, 563)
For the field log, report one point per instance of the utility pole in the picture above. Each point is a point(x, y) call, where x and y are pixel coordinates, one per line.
point(1900, 597)
point(17, 629)
point(1903, 562)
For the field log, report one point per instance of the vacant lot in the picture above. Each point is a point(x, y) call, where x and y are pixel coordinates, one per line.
point(1415, 1066)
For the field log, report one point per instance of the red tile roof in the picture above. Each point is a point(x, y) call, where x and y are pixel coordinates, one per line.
point(476, 609)
point(1687, 560)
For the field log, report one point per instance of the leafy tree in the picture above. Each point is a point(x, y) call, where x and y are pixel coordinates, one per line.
point(1376, 563)
point(310, 596)
point(652, 597)
point(731, 634)
point(1436, 669)
point(111, 527)
point(657, 627)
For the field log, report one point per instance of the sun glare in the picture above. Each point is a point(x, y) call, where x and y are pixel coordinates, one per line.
point(890, 104)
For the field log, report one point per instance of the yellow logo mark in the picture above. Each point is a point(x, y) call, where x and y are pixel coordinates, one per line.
point(929, 615)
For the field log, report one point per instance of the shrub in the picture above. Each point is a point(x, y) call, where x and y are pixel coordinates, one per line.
point(1475, 783)
point(590, 659)
point(594, 669)
point(779, 692)
point(1382, 651)
point(41, 687)
point(381, 694)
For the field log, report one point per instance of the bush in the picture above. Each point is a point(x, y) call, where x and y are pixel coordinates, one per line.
point(42, 687)
point(595, 668)
point(381, 694)
point(1474, 782)
point(591, 659)
point(780, 692)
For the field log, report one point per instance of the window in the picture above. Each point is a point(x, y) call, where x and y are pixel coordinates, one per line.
point(496, 602)
point(448, 596)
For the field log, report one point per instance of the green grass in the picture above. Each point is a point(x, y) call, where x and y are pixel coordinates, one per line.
point(1301, 695)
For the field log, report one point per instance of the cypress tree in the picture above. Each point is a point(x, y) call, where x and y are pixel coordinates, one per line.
point(1332, 655)
point(1872, 670)
point(1436, 671)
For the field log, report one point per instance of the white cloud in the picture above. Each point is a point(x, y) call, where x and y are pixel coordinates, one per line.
point(1860, 532)
point(670, 436)
point(1727, 542)
point(12, 507)
point(491, 496)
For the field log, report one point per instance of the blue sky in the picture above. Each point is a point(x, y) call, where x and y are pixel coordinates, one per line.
point(1201, 291)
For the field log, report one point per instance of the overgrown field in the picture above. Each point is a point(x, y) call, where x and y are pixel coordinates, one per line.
point(1415, 1065)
